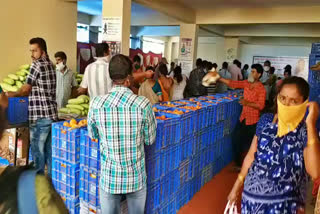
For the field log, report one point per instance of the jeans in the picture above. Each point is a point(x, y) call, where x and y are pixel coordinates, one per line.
point(40, 140)
point(110, 203)
point(242, 139)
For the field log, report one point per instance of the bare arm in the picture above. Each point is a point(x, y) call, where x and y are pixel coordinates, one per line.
point(233, 196)
point(312, 151)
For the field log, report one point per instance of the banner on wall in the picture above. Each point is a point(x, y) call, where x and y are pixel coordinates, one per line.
point(186, 49)
point(85, 56)
point(147, 59)
point(112, 29)
point(300, 65)
point(114, 47)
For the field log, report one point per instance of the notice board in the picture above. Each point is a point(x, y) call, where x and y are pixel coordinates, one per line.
point(300, 65)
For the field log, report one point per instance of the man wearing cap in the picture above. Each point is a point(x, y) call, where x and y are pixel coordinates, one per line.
point(123, 122)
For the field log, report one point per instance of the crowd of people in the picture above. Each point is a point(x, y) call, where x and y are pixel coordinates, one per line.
point(282, 148)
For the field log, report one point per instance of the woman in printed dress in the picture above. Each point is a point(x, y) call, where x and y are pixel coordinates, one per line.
point(284, 151)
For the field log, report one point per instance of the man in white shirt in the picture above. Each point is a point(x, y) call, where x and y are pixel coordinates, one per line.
point(235, 70)
point(96, 80)
point(66, 80)
point(265, 77)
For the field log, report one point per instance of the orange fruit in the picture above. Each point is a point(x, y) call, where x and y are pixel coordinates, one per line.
point(66, 124)
point(73, 122)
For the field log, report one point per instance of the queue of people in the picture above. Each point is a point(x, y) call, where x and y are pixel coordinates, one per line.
point(282, 148)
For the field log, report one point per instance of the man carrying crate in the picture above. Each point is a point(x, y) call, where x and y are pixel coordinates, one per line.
point(41, 88)
point(123, 122)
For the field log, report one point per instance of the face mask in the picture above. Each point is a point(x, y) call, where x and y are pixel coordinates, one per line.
point(250, 78)
point(137, 66)
point(289, 117)
point(266, 68)
point(60, 66)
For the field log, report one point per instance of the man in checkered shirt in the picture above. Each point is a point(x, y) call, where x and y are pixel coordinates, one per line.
point(124, 123)
point(253, 102)
point(40, 86)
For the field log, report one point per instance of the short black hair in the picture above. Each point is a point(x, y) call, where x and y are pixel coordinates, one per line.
point(178, 74)
point(61, 54)
point(272, 70)
point(215, 65)
point(205, 64)
point(137, 58)
point(288, 72)
point(101, 49)
point(302, 86)
point(267, 62)
point(259, 68)
point(120, 67)
point(40, 42)
point(209, 66)
point(163, 69)
point(246, 66)
point(225, 65)
point(150, 68)
point(199, 62)
point(172, 64)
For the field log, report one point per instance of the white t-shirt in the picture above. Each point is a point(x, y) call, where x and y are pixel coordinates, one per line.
point(178, 88)
point(96, 78)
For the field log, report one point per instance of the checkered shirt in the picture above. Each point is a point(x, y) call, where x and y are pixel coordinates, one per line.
point(255, 95)
point(123, 122)
point(42, 99)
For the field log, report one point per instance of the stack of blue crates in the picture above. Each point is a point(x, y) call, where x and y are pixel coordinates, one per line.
point(314, 76)
point(189, 149)
point(89, 174)
point(66, 165)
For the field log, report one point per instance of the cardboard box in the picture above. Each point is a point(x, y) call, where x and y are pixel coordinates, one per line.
point(8, 141)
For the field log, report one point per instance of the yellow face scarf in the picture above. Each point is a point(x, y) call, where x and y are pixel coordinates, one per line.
point(289, 117)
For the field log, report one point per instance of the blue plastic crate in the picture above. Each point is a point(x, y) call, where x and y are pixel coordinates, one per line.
point(185, 172)
point(90, 162)
point(206, 174)
point(170, 159)
point(174, 181)
point(17, 111)
point(168, 207)
point(153, 167)
point(169, 130)
point(63, 188)
point(204, 138)
point(64, 166)
point(164, 188)
point(71, 180)
point(315, 49)
point(65, 155)
point(72, 204)
point(182, 196)
point(90, 176)
point(153, 196)
point(196, 144)
point(186, 147)
point(89, 193)
point(314, 76)
point(85, 140)
point(61, 132)
point(196, 160)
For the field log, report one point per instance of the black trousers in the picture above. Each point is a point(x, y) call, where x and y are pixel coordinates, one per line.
point(242, 138)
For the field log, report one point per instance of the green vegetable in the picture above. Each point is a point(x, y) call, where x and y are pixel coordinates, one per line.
point(8, 87)
point(21, 74)
point(13, 76)
point(75, 111)
point(8, 81)
point(72, 106)
point(80, 75)
point(26, 66)
point(76, 101)
point(22, 78)
point(86, 106)
point(64, 110)
point(19, 84)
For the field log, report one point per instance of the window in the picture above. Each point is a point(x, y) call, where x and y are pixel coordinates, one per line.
point(152, 45)
point(82, 33)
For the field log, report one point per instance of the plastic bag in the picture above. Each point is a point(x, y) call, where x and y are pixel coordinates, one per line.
point(231, 208)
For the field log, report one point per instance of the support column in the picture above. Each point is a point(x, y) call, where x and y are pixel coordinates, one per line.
point(188, 46)
point(119, 9)
point(232, 49)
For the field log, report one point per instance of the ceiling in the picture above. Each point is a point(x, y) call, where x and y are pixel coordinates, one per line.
point(94, 7)
point(213, 4)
